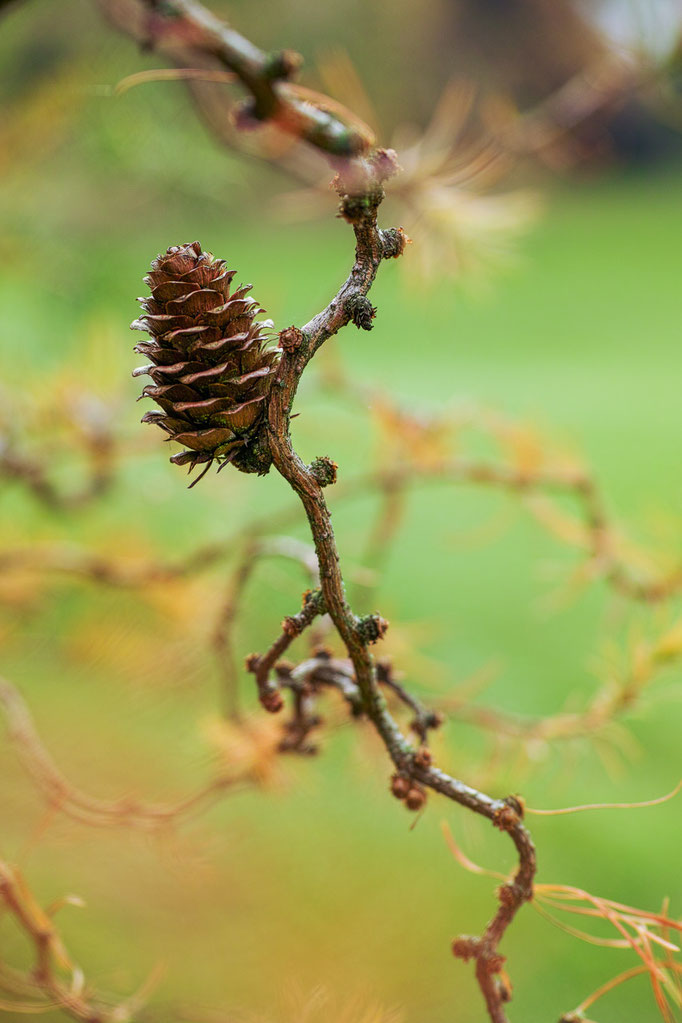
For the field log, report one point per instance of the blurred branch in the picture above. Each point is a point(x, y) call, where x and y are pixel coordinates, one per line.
point(128, 812)
point(99, 452)
point(44, 982)
point(618, 696)
point(597, 536)
point(189, 33)
point(600, 88)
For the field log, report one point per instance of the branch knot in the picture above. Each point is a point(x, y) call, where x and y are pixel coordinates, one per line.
point(371, 628)
point(290, 339)
point(323, 470)
point(361, 311)
point(394, 241)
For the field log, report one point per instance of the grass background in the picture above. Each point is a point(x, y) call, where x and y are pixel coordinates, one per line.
point(321, 881)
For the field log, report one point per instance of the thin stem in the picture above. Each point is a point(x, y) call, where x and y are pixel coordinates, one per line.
point(357, 633)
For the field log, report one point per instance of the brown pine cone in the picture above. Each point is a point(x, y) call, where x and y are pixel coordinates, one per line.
point(211, 372)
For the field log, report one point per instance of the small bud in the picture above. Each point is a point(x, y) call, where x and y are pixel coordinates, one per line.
point(495, 962)
point(385, 163)
point(400, 786)
point(434, 719)
point(355, 208)
point(422, 724)
point(394, 241)
point(361, 312)
point(516, 803)
point(465, 948)
point(416, 798)
point(283, 64)
point(271, 700)
point(323, 470)
point(504, 987)
point(505, 817)
point(372, 628)
point(508, 894)
point(422, 757)
point(290, 339)
point(251, 662)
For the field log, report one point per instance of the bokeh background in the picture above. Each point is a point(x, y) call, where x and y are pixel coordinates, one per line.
point(318, 882)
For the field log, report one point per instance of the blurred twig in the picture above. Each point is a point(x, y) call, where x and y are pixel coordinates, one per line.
point(616, 697)
point(128, 812)
point(187, 32)
point(35, 475)
point(44, 981)
point(596, 533)
point(254, 550)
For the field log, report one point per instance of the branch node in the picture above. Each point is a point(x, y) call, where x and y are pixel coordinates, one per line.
point(384, 164)
point(314, 602)
point(517, 804)
point(282, 65)
point(506, 817)
point(270, 698)
point(268, 692)
point(400, 786)
point(422, 757)
point(394, 241)
point(466, 947)
point(416, 798)
point(290, 627)
point(356, 208)
point(361, 311)
point(509, 894)
point(251, 662)
point(371, 628)
point(290, 339)
point(323, 470)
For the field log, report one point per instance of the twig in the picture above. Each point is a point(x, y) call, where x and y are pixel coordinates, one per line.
point(358, 633)
point(35, 475)
point(44, 980)
point(188, 33)
point(597, 538)
point(260, 665)
point(87, 809)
